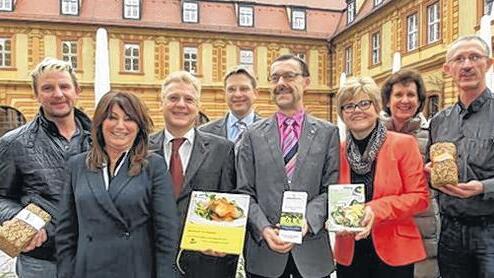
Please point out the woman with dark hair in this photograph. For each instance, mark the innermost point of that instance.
(118, 215)
(403, 96)
(395, 189)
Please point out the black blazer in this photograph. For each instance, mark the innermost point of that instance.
(211, 168)
(128, 231)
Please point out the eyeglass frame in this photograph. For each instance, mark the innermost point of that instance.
(460, 59)
(287, 76)
(350, 107)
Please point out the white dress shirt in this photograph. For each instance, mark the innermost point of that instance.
(106, 176)
(185, 150)
(231, 128)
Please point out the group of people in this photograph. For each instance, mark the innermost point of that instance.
(118, 195)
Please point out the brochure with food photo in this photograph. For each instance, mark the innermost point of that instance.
(293, 216)
(216, 221)
(346, 204)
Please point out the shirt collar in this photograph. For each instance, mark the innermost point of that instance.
(298, 117)
(189, 136)
(477, 103)
(232, 119)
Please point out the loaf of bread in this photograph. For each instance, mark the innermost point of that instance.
(444, 166)
(17, 233)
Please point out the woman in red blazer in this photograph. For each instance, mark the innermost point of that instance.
(390, 166)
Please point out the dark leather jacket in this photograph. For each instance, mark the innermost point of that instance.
(33, 169)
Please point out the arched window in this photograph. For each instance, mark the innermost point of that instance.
(10, 118)
(433, 105)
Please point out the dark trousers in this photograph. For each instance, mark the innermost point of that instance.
(291, 270)
(366, 264)
(466, 248)
(29, 267)
(198, 265)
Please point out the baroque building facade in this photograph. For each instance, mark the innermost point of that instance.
(371, 32)
(148, 39)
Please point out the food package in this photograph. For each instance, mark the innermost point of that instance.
(18, 232)
(444, 168)
(346, 205)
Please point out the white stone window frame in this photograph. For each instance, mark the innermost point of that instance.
(134, 60)
(190, 59)
(6, 5)
(190, 12)
(132, 9)
(246, 58)
(433, 23)
(5, 53)
(246, 16)
(412, 32)
(376, 48)
(348, 60)
(69, 7)
(299, 19)
(70, 55)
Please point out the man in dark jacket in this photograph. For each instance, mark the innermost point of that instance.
(197, 161)
(240, 94)
(33, 164)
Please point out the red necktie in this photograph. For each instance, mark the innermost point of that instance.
(176, 170)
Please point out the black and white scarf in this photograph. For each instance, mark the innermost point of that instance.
(362, 163)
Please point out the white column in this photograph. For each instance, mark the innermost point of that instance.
(102, 66)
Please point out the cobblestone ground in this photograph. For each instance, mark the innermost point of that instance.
(6, 266)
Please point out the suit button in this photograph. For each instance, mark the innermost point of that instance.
(126, 235)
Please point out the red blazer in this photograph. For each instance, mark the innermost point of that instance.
(400, 191)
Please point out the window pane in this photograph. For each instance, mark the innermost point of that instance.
(65, 48)
(7, 60)
(136, 65)
(7, 45)
(298, 20)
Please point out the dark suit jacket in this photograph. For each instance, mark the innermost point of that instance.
(218, 127)
(128, 231)
(211, 168)
(261, 174)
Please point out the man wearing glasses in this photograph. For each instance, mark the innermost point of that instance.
(466, 245)
(290, 151)
(197, 161)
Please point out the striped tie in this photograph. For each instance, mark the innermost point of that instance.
(241, 126)
(289, 147)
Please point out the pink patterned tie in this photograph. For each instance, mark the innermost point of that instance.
(289, 147)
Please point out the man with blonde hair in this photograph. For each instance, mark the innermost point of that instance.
(34, 156)
(196, 161)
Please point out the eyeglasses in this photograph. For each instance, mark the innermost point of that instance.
(287, 76)
(460, 60)
(175, 98)
(362, 105)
